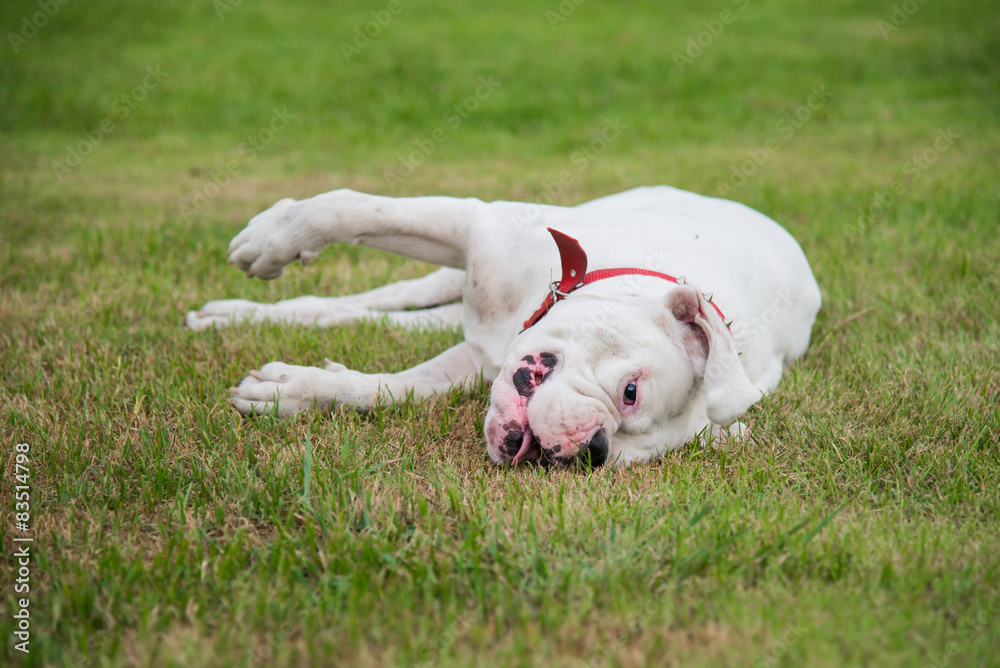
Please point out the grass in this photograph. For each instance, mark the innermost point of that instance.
(860, 527)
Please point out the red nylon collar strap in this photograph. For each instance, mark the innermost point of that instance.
(574, 275)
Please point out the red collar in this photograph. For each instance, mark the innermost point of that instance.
(574, 275)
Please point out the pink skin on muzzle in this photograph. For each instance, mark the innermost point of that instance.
(507, 428)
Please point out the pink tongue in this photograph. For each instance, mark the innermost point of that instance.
(527, 451)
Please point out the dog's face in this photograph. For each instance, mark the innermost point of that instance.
(614, 381)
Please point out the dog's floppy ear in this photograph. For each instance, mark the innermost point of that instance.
(711, 347)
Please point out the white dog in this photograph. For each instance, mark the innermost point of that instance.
(619, 364)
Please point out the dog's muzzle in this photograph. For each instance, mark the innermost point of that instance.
(521, 445)
(510, 432)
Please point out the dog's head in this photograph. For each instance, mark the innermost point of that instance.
(616, 380)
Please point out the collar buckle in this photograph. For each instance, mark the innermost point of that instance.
(555, 293)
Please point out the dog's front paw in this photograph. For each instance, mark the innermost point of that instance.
(277, 389)
(274, 239)
(225, 312)
(283, 389)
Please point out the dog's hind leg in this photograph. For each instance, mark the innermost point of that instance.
(390, 301)
(284, 389)
(432, 229)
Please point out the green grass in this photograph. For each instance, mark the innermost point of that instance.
(859, 527)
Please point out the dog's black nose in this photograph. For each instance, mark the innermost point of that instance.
(596, 451)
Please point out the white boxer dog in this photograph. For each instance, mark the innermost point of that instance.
(617, 364)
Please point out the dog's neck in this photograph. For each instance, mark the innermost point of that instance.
(574, 276)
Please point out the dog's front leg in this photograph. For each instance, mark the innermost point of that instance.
(432, 229)
(437, 288)
(284, 389)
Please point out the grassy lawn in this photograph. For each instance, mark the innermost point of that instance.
(860, 527)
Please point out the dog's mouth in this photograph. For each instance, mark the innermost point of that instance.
(520, 445)
(523, 447)
(528, 447)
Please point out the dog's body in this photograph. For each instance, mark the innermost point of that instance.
(622, 369)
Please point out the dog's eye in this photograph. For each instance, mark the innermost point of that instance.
(629, 396)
